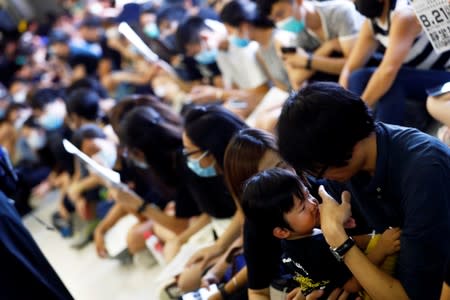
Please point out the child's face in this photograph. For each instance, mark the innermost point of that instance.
(304, 216)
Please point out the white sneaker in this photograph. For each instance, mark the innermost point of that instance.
(144, 259)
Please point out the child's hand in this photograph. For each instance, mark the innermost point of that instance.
(389, 242)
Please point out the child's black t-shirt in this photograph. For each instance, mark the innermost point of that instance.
(313, 265)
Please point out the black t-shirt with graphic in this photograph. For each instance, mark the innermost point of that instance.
(313, 265)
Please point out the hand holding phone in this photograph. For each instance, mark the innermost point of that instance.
(288, 50)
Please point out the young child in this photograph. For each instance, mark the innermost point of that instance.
(278, 201)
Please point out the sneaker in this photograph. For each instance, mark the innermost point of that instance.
(125, 258)
(145, 259)
(85, 235)
(64, 226)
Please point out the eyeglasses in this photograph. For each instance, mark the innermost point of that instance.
(186, 153)
(319, 175)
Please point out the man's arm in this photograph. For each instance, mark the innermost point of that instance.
(378, 284)
(295, 64)
(404, 31)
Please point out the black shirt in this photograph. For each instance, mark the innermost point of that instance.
(313, 265)
(262, 253)
(410, 189)
(63, 160)
(190, 70)
(210, 194)
(26, 273)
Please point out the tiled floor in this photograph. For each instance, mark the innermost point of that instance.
(86, 275)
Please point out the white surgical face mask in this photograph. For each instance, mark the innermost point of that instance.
(20, 96)
(160, 91)
(36, 140)
(107, 155)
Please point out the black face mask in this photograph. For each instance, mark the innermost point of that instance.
(370, 8)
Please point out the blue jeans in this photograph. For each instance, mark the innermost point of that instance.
(410, 84)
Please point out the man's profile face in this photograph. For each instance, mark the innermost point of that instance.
(209, 40)
(345, 173)
(193, 49)
(281, 10)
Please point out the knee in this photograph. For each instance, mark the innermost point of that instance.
(358, 79)
(189, 279)
(135, 241)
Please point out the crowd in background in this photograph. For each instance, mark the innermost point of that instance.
(224, 125)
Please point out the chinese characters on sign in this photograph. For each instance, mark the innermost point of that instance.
(434, 16)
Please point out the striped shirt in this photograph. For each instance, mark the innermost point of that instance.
(421, 55)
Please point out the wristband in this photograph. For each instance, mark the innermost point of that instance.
(142, 207)
(222, 291)
(234, 283)
(309, 61)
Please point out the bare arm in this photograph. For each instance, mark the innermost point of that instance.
(193, 228)
(114, 214)
(378, 284)
(404, 30)
(295, 64)
(262, 294)
(365, 46)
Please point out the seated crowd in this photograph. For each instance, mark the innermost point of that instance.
(279, 149)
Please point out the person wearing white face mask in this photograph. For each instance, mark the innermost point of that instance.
(35, 162)
(85, 188)
(243, 78)
(321, 29)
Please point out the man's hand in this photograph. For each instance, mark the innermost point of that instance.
(337, 294)
(333, 216)
(296, 60)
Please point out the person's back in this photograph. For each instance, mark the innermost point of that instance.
(26, 272)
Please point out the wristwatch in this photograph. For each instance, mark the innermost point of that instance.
(340, 251)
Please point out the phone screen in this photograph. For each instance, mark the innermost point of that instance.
(287, 50)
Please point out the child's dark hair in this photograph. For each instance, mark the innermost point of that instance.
(269, 195)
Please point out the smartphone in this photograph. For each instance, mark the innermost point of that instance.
(288, 50)
(439, 90)
(173, 291)
(238, 104)
(201, 294)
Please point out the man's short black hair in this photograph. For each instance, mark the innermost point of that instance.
(58, 36)
(84, 103)
(211, 127)
(188, 32)
(236, 12)
(265, 6)
(41, 97)
(320, 125)
(89, 83)
(86, 132)
(171, 13)
(269, 195)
